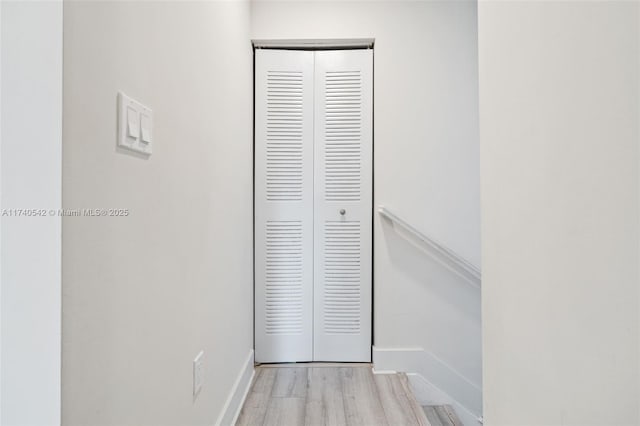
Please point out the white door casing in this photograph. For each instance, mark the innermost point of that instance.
(313, 205)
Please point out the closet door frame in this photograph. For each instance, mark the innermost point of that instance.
(314, 45)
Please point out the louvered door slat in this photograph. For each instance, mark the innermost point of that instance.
(284, 206)
(343, 181)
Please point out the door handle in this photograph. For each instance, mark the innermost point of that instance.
(342, 211)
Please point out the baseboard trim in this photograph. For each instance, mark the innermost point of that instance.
(383, 372)
(442, 384)
(231, 410)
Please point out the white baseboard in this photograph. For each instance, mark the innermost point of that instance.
(238, 394)
(433, 381)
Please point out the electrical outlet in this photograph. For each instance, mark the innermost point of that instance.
(198, 373)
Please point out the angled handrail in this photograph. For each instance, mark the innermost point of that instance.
(449, 257)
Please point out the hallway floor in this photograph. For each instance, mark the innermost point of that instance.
(326, 394)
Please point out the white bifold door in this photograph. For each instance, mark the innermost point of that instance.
(313, 205)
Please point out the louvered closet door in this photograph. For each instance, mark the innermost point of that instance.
(343, 205)
(284, 206)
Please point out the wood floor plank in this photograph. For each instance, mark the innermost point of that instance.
(432, 416)
(398, 403)
(324, 405)
(340, 396)
(290, 383)
(411, 398)
(361, 401)
(447, 414)
(285, 412)
(257, 401)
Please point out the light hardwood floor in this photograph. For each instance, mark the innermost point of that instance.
(441, 415)
(296, 395)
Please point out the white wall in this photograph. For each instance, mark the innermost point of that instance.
(144, 294)
(426, 166)
(30, 152)
(559, 146)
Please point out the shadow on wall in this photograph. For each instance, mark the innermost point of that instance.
(428, 323)
(410, 257)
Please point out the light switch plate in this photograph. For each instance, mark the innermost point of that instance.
(135, 124)
(198, 373)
